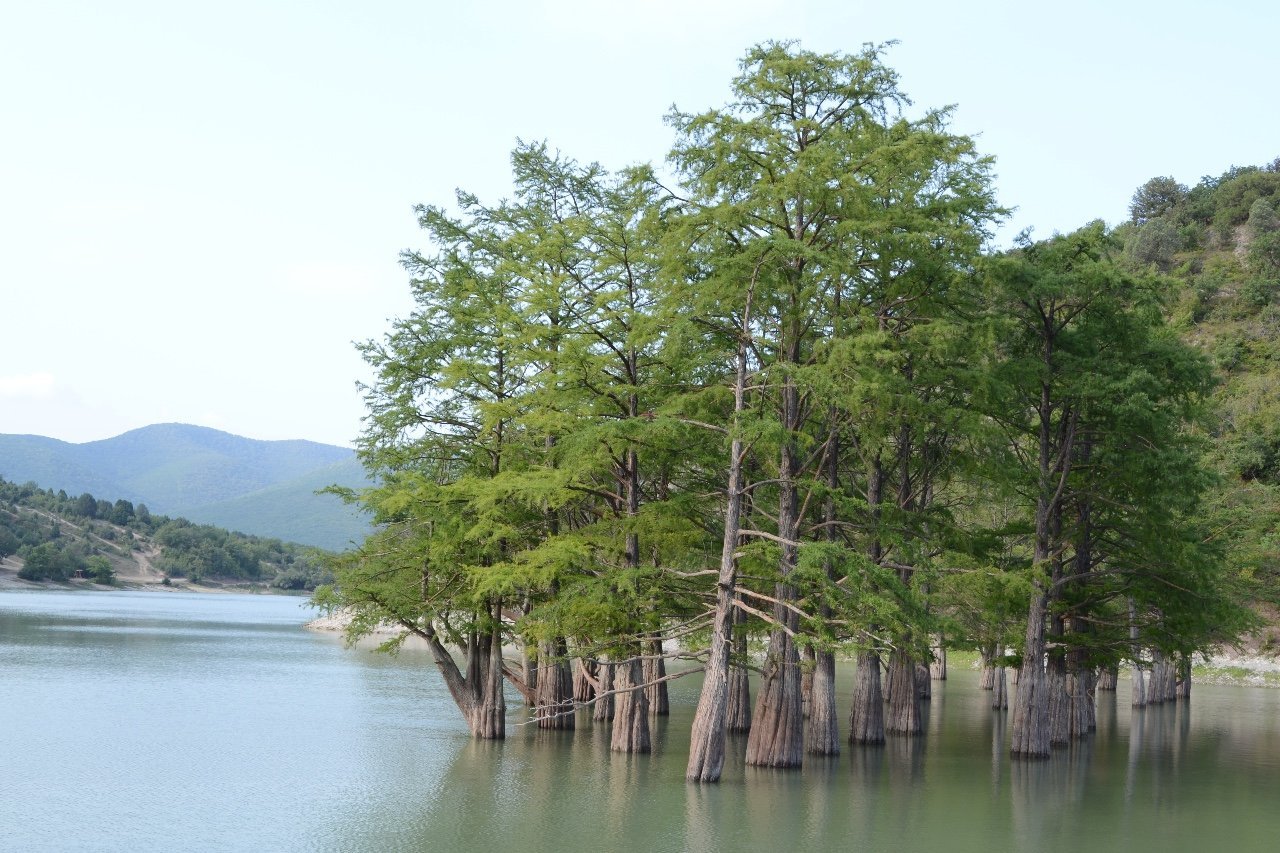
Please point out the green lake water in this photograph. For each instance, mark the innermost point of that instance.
(134, 721)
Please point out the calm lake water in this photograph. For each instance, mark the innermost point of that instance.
(168, 721)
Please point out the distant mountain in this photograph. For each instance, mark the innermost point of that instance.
(261, 487)
(292, 511)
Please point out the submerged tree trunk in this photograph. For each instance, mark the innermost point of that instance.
(866, 718)
(478, 694)
(738, 713)
(585, 671)
(938, 668)
(986, 656)
(1109, 678)
(528, 664)
(602, 711)
(1138, 695)
(707, 736)
(924, 684)
(905, 716)
(655, 673)
(822, 726)
(1056, 678)
(1030, 724)
(1163, 686)
(777, 727)
(1059, 702)
(822, 735)
(1184, 677)
(631, 708)
(999, 686)
(1081, 718)
(777, 736)
(808, 659)
(1081, 688)
(554, 706)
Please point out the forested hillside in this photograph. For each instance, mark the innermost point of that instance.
(1218, 243)
(793, 397)
(266, 488)
(56, 537)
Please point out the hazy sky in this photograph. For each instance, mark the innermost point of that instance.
(202, 204)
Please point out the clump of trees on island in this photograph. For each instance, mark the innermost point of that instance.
(782, 394)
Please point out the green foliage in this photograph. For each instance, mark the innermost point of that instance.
(48, 562)
(1154, 243)
(210, 476)
(99, 568)
(1264, 239)
(64, 540)
(924, 436)
(1155, 198)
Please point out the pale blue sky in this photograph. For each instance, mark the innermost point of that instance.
(202, 204)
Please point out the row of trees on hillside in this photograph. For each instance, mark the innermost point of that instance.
(779, 392)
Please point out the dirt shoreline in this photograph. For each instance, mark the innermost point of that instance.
(9, 580)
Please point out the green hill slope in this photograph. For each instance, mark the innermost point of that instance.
(1219, 242)
(260, 487)
(49, 536)
(293, 511)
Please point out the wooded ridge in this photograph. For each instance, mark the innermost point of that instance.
(52, 536)
(267, 488)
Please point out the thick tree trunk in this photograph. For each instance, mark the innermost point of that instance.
(866, 718)
(904, 716)
(584, 672)
(1109, 678)
(655, 673)
(777, 736)
(707, 736)
(478, 694)
(1081, 718)
(631, 708)
(487, 717)
(1081, 689)
(738, 713)
(603, 709)
(1138, 694)
(528, 670)
(999, 686)
(924, 684)
(1163, 686)
(938, 668)
(986, 656)
(1184, 677)
(822, 726)
(822, 735)
(777, 726)
(1168, 691)
(1030, 736)
(808, 659)
(1059, 701)
(1030, 724)
(528, 663)
(554, 706)
(1170, 680)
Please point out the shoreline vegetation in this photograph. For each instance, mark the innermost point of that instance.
(1239, 667)
(1243, 666)
(1246, 666)
(9, 581)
